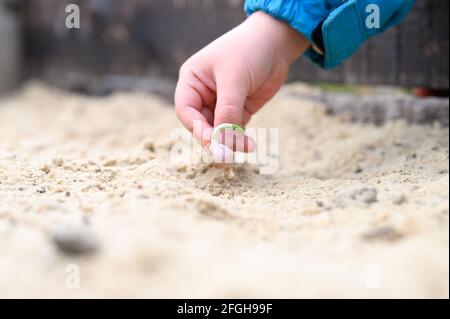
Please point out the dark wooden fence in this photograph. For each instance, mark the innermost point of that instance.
(153, 37)
(10, 48)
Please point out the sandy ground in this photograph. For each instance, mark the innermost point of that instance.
(90, 205)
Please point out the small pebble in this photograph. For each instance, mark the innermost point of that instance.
(149, 145)
(399, 199)
(75, 241)
(45, 168)
(41, 190)
(386, 233)
(358, 194)
(58, 162)
(110, 162)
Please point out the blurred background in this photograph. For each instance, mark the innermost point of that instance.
(124, 45)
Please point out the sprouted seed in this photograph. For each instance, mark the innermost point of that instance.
(223, 127)
(221, 153)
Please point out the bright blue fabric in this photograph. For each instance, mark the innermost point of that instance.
(344, 29)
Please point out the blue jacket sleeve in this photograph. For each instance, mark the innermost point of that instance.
(341, 26)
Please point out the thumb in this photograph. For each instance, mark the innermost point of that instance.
(230, 103)
(231, 98)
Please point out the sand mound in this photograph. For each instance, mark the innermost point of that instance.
(90, 205)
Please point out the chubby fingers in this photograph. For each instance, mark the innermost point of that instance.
(193, 101)
(191, 96)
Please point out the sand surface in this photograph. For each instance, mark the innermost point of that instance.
(91, 206)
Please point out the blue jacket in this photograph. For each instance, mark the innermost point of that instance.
(337, 27)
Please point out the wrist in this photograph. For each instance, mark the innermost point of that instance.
(288, 44)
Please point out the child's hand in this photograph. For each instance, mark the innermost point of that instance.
(234, 76)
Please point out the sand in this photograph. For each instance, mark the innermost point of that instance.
(91, 206)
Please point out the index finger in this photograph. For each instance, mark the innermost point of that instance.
(188, 105)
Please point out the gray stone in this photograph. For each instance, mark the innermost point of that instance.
(356, 195)
(399, 199)
(75, 240)
(386, 233)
